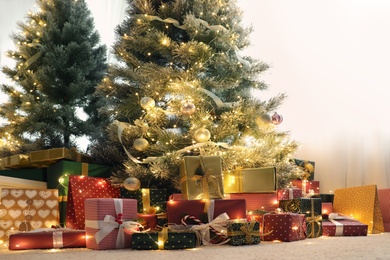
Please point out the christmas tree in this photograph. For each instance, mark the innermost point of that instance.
(58, 63)
(181, 88)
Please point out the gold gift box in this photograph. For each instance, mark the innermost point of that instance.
(201, 177)
(362, 204)
(250, 180)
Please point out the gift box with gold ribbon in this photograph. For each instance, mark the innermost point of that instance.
(243, 232)
(250, 180)
(362, 204)
(201, 177)
(311, 207)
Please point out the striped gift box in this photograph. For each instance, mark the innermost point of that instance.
(105, 220)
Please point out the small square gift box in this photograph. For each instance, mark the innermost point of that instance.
(284, 227)
(201, 177)
(165, 239)
(339, 225)
(47, 238)
(242, 232)
(289, 193)
(250, 180)
(109, 222)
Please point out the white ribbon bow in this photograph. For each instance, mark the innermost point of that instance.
(218, 224)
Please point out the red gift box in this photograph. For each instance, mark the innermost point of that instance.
(105, 221)
(343, 227)
(289, 193)
(51, 238)
(285, 227)
(81, 188)
(257, 201)
(177, 209)
(306, 186)
(384, 204)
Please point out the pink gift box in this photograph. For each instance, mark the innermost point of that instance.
(384, 204)
(284, 227)
(343, 227)
(306, 186)
(101, 212)
(289, 193)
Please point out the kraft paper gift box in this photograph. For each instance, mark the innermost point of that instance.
(284, 227)
(361, 203)
(178, 209)
(384, 203)
(243, 232)
(338, 225)
(109, 222)
(80, 189)
(312, 208)
(250, 180)
(170, 240)
(308, 167)
(289, 193)
(201, 177)
(26, 210)
(257, 201)
(58, 178)
(307, 187)
(47, 239)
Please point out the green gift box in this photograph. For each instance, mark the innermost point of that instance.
(201, 177)
(58, 178)
(312, 208)
(250, 180)
(324, 197)
(157, 240)
(243, 233)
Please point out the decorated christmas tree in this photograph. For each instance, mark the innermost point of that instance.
(182, 88)
(58, 63)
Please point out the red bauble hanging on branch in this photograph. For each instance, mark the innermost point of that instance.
(276, 119)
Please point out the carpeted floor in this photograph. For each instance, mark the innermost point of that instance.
(370, 247)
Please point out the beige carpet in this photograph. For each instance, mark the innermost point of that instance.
(370, 247)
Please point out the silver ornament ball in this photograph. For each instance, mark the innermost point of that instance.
(132, 184)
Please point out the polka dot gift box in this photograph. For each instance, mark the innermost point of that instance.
(82, 188)
(284, 227)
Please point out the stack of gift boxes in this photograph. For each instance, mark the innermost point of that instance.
(80, 208)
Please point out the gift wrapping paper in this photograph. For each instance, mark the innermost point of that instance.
(250, 180)
(384, 204)
(177, 209)
(26, 210)
(343, 227)
(149, 200)
(106, 220)
(169, 240)
(362, 204)
(324, 197)
(243, 232)
(47, 239)
(201, 177)
(307, 186)
(285, 227)
(308, 167)
(289, 193)
(311, 207)
(80, 189)
(257, 201)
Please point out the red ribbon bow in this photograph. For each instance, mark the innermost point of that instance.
(118, 219)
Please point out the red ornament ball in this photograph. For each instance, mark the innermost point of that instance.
(276, 119)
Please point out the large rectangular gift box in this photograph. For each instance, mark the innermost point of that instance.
(201, 177)
(257, 201)
(47, 239)
(80, 189)
(311, 207)
(26, 210)
(169, 240)
(362, 204)
(106, 220)
(384, 203)
(250, 180)
(285, 227)
(204, 211)
(343, 227)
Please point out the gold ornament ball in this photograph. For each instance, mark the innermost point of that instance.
(147, 102)
(202, 135)
(187, 109)
(140, 144)
(132, 184)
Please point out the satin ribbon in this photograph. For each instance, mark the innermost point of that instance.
(162, 237)
(219, 224)
(314, 221)
(339, 226)
(109, 223)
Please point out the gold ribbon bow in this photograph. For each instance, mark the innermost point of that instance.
(162, 237)
(293, 206)
(313, 221)
(248, 230)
